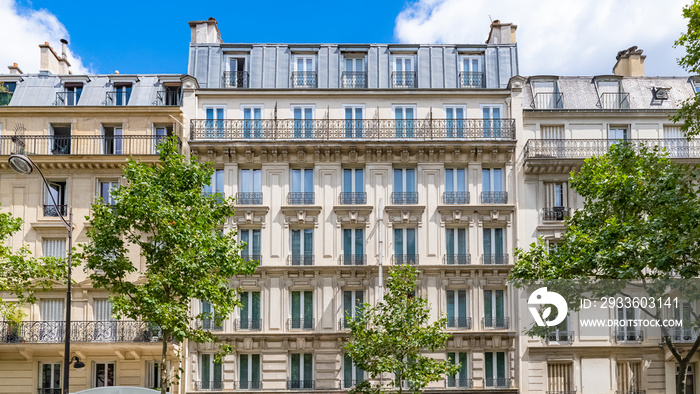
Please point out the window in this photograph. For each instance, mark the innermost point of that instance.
(153, 374)
(251, 237)
(546, 94)
(611, 95)
(105, 325)
(236, 75)
(694, 82)
(50, 378)
(471, 73)
(404, 119)
(302, 310)
(686, 333)
(352, 374)
(561, 333)
(461, 378)
(628, 333)
(492, 186)
(209, 317)
(629, 377)
(55, 193)
(70, 95)
(105, 189)
(249, 187)
(675, 141)
(617, 134)
(560, 378)
(457, 315)
(160, 133)
(405, 246)
(302, 187)
(216, 184)
(303, 121)
(103, 374)
(456, 246)
(52, 312)
(250, 311)
(354, 75)
(353, 187)
(454, 121)
(304, 75)
(456, 186)
(689, 378)
(54, 247)
(210, 373)
(6, 97)
(495, 309)
(494, 246)
(120, 95)
(556, 201)
(493, 125)
(252, 121)
(303, 247)
(301, 374)
(404, 75)
(354, 116)
(170, 96)
(215, 119)
(495, 370)
(353, 300)
(404, 186)
(60, 139)
(113, 140)
(353, 246)
(249, 372)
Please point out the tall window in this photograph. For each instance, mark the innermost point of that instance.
(61, 139)
(560, 378)
(105, 324)
(352, 374)
(103, 374)
(675, 141)
(454, 121)
(461, 378)
(105, 190)
(689, 378)
(301, 374)
(303, 121)
(560, 333)
(495, 309)
(53, 321)
(302, 310)
(353, 120)
(354, 75)
(546, 94)
(353, 246)
(120, 95)
(302, 187)
(250, 187)
(686, 333)
(250, 311)
(471, 72)
(252, 121)
(71, 94)
(495, 369)
(404, 72)
(456, 246)
(353, 187)
(236, 75)
(153, 374)
(249, 372)
(493, 124)
(113, 139)
(457, 315)
(210, 373)
(304, 75)
(50, 378)
(405, 246)
(612, 95)
(556, 201)
(251, 237)
(54, 247)
(209, 317)
(629, 377)
(353, 301)
(628, 332)
(404, 186)
(456, 186)
(160, 133)
(494, 246)
(492, 186)
(302, 247)
(404, 119)
(215, 117)
(216, 184)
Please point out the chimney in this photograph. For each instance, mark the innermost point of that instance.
(501, 33)
(50, 62)
(14, 69)
(630, 63)
(205, 32)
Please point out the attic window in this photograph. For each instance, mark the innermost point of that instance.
(660, 93)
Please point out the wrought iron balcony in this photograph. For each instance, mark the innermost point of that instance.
(402, 259)
(304, 79)
(235, 79)
(494, 197)
(66, 99)
(353, 259)
(684, 335)
(249, 198)
(556, 213)
(459, 322)
(548, 100)
(496, 258)
(353, 198)
(301, 259)
(342, 129)
(117, 97)
(210, 324)
(300, 323)
(300, 198)
(50, 391)
(354, 80)
(208, 385)
(5, 98)
(461, 383)
(51, 211)
(677, 148)
(404, 198)
(498, 323)
(300, 384)
(560, 336)
(252, 257)
(458, 259)
(628, 335)
(403, 79)
(350, 383)
(474, 80)
(248, 324)
(81, 145)
(614, 101)
(81, 331)
(454, 198)
(168, 97)
(497, 382)
(248, 385)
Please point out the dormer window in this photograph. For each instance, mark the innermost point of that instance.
(70, 94)
(611, 95)
(236, 74)
(546, 94)
(304, 74)
(471, 73)
(170, 95)
(355, 74)
(404, 71)
(695, 83)
(6, 91)
(120, 95)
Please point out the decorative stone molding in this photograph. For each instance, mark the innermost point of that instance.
(495, 216)
(355, 214)
(405, 214)
(301, 215)
(456, 215)
(249, 215)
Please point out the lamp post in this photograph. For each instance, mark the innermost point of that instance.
(24, 165)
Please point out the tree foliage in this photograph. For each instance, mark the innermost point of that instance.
(389, 337)
(689, 113)
(638, 229)
(162, 213)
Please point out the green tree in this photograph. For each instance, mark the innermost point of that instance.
(162, 212)
(689, 113)
(389, 337)
(638, 230)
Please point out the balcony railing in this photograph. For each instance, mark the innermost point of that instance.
(252, 257)
(556, 213)
(548, 100)
(5, 98)
(249, 198)
(81, 331)
(301, 259)
(459, 322)
(66, 99)
(615, 100)
(497, 382)
(404, 198)
(560, 336)
(354, 80)
(300, 198)
(452, 198)
(403, 259)
(684, 335)
(50, 391)
(458, 259)
(81, 145)
(353, 198)
(248, 385)
(344, 322)
(353, 259)
(210, 324)
(495, 258)
(248, 324)
(461, 383)
(235, 79)
(499, 323)
(628, 335)
(51, 211)
(403, 79)
(301, 323)
(304, 79)
(350, 383)
(341, 129)
(208, 385)
(117, 97)
(474, 80)
(494, 197)
(677, 148)
(300, 385)
(168, 97)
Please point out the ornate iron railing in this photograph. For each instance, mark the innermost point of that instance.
(614, 100)
(560, 336)
(248, 324)
(556, 213)
(300, 384)
(301, 323)
(248, 385)
(494, 197)
(353, 259)
(235, 79)
(5, 98)
(548, 100)
(341, 129)
(252, 257)
(301, 259)
(490, 259)
(350, 383)
(461, 383)
(81, 331)
(354, 79)
(249, 198)
(300, 198)
(403, 79)
(402, 259)
(472, 80)
(500, 323)
(451, 198)
(497, 382)
(208, 385)
(303, 79)
(210, 324)
(66, 99)
(684, 335)
(82, 144)
(458, 259)
(52, 211)
(628, 335)
(168, 97)
(404, 198)
(117, 97)
(677, 148)
(353, 198)
(459, 322)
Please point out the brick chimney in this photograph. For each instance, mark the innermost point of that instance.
(630, 63)
(14, 69)
(501, 33)
(51, 62)
(205, 32)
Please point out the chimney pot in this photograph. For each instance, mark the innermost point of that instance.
(14, 64)
(46, 43)
(116, 71)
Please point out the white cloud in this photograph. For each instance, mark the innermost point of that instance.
(23, 30)
(554, 36)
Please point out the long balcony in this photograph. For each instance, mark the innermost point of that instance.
(677, 148)
(341, 129)
(472, 80)
(81, 331)
(235, 79)
(81, 145)
(354, 80)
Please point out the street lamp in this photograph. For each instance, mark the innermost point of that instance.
(24, 165)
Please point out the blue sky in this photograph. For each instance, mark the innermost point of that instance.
(559, 37)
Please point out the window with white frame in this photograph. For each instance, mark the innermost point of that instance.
(353, 246)
(302, 246)
(215, 116)
(103, 374)
(493, 124)
(113, 139)
(492, 186)
(461, 378)
(629, 332)
(105, 325)
(352, 374)
(456, 191)
(160, 134)
(611, 94)
(236, 74)
(495, 309)
(251, 238)
(556, 201)
(495, 370)
(353, 187)
(302, 187)
(404, 121)
(302, 306)
(494, 242)
(105, 189)
(209, 317)
(252, 121)
(404, 71)
(689, 378)
(54, 247)
(55, 193)
(353, 300)
(50, 375)
(52, 314)
(404, 186)
(249, 372)
(301, 371)
(455, 125)
(303, 121)
(354, 75)
(250, 311)
(456, 246)
(471, 72)
(304, 75)
(210, 373)
(457, 308)
(153, 374)
(354, 120)
(216, 184)
(546, 94)
(405, 246)
(249, 187)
